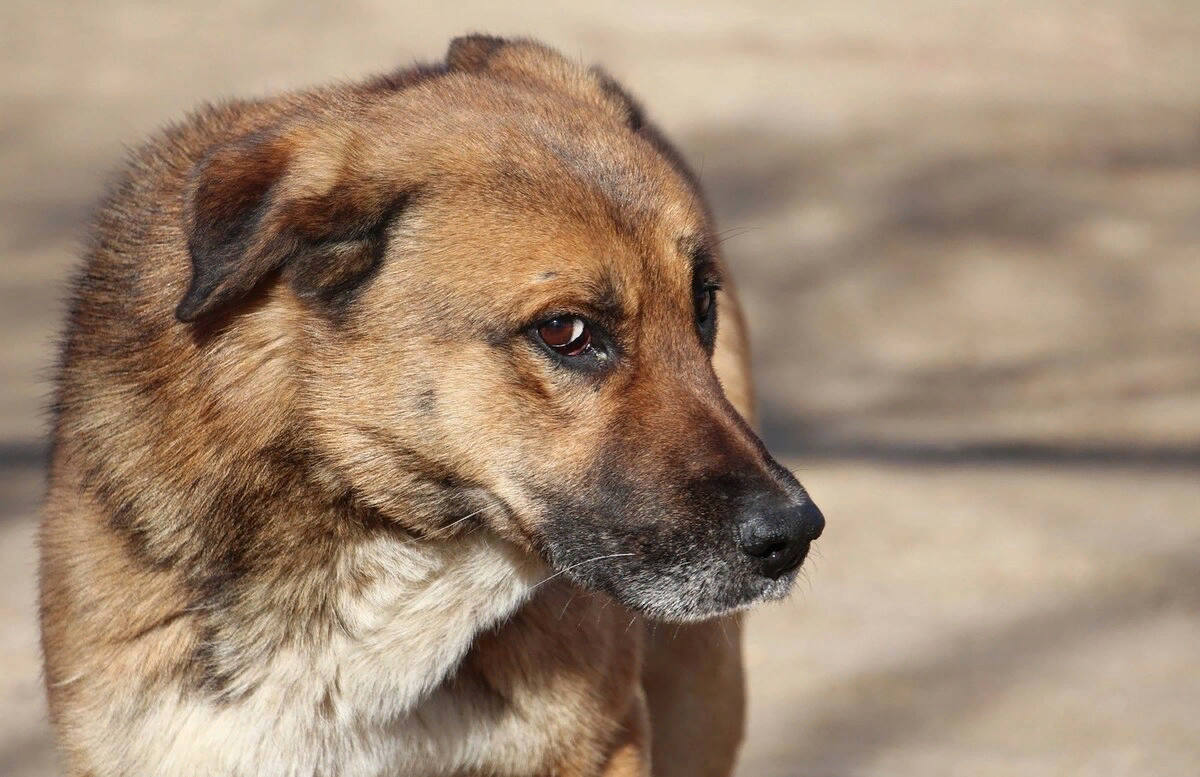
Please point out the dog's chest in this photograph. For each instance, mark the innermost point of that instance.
(409, 612)
(370, 700)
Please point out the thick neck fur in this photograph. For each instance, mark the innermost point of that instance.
(305, 633)
(277, 557)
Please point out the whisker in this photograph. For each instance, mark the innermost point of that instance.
(466, 517)
(728, 641)
(807, 583)
(578, 564)
(732, 233)
(68, 680)
(445, 528)
(570, 599)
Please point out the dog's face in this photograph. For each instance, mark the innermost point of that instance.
(507, 302)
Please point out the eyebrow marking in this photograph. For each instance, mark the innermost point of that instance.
(606, 298)
(598, 297)
(699, 251)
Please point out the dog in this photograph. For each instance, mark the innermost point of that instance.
(394, 434)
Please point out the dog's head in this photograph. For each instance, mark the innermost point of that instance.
(506, 296)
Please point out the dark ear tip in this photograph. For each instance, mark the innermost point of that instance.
(471, 52)
(195, 304)
(187, 312)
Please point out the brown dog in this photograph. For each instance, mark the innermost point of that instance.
(388, 422)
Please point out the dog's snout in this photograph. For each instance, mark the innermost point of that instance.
(777, 538)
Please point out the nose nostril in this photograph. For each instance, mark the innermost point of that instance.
(766, 547)
(774, 554)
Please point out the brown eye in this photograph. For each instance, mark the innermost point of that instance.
(705, 298)
(567, 335)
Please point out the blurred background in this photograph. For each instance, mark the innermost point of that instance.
(968, 238)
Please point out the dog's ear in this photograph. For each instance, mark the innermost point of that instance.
(523, 59)
(472, 52)
(287, 201)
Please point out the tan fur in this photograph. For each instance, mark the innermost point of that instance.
(319, 502)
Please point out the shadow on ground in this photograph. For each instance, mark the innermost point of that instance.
(972, 292)
(845, 727)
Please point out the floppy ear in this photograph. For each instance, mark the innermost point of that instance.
(287, 201)
(526, 59)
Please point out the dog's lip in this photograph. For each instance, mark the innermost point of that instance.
(741, 584)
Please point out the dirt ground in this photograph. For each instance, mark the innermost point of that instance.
(968, 235)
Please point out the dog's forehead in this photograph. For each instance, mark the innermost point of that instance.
(626, 187)
(563, 148)
(631, 182)
(566, 193)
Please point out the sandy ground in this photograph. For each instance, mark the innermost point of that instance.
(969, 239)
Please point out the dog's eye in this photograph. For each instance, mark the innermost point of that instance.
(566, 335)
(705, 299)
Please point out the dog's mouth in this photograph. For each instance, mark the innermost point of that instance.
(689, 575)
(688, 591)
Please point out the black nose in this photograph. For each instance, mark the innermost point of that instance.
(777, 538)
